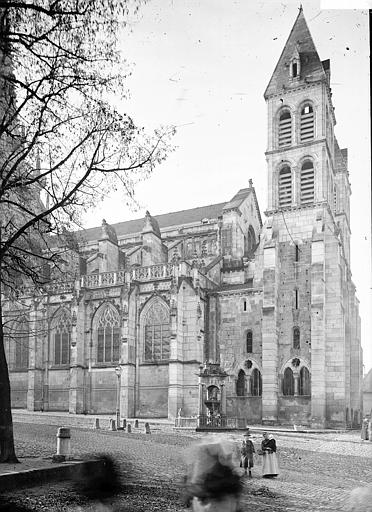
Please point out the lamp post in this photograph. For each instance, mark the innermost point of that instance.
(118, 374)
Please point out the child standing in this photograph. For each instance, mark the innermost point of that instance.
(246, 454)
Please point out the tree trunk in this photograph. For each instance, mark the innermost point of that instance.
(7, 450)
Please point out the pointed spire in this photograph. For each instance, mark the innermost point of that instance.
(299, 45)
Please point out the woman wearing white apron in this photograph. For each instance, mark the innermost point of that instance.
(270, 467)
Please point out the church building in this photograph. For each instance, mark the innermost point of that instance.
(216, 312)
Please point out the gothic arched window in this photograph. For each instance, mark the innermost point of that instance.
(304, 384)
(296, 337)
(256, 383)
(157, 333)
(249, 342)
(61, 329)
(285, 129)
(240, 383)
(307, 123)
(108, 336)
(285, 186)
(21, 341)
(288, 382)
(250, 242)
(307, 182)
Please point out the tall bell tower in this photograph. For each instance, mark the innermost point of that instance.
(309, 305)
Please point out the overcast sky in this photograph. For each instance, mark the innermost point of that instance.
(203, 65)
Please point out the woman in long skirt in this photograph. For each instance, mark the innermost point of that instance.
(270, 467)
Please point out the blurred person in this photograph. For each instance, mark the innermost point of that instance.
(246, 454)
(364, 430)
(212, 484)
(270, 467)
(360, 500)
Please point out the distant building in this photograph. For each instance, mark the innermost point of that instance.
(367, 393)
(209, 310)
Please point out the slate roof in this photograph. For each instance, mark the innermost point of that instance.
(166, 220)
(311, 66)
(237, 200)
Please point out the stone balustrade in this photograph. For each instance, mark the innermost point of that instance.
(162, 271)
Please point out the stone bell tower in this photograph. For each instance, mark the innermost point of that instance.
(309, 299)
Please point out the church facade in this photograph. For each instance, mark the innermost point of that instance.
(212, 312)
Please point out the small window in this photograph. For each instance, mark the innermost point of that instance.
(285, 129)
(285, 186)
(288, 382)
(294, 69)
(249, 341)
(296, 298)
(256, 383)
(307, 123)
(244, 305)
(296, 338)
(304, 382)
(240, 383)
(297, 253)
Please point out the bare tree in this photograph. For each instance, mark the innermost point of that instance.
(63, 142)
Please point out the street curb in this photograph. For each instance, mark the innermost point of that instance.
(40, 476)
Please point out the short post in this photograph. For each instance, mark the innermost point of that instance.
(96, 424)
(129, 428)
(63, 444)
(112, 424)
(124, 424)
(370, 430)
(147, 428)
(136, 424)
(118, 374)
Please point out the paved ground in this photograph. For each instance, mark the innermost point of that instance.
(317, 472)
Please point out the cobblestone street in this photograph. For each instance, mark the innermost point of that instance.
(317, 471)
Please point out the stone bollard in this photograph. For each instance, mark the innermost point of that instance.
(96, 424)
(147, 428)
(112, 424)
(129, 428)
(124, 424)
(136, 424)
(63, 444)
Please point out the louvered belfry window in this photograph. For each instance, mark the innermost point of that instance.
(307, 182)
(285, 186)
(285, 129)
(307, 123)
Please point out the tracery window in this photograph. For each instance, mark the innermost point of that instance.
(250, 242)
(61, 329)
(307, 182)
(296, 338)
(157, 333)
(304, 384)
(240, 383)
(285, 186)
(288, 382)
(21, 341)
(285, 129)
(256, 383)
(307, 123)
(249, 341)
(108, 336)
